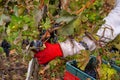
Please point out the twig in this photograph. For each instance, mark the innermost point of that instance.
(87, 5)
(41, 4)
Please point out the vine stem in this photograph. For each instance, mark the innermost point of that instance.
(41, 4)
(87, 5)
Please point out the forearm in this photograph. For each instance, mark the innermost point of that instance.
(109, 30)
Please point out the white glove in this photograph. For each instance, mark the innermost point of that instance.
(71, 47)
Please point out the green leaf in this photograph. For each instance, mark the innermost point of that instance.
(27, 19)
(0, 1)
(16, 10)
(46, 24)
(1, 49)
(65, 19)
(67, 29)
(84, 18)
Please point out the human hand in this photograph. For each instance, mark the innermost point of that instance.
(49, 53)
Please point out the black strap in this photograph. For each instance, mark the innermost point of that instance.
(84, 45)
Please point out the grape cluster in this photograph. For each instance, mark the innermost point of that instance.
(108, 73)
(90, 67)
(91, 73)
(36, 44)
(113, 55)
(6, 47)
(6, 25)
(56, 25)
(112, 62)
(53, 34)
(113, 49)
(42, 32)
(52, 2)
(25, 42)
(54, 37)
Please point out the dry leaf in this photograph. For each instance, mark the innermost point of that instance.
(12, 51)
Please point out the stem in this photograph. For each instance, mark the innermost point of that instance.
(41, 4)
(87, 5)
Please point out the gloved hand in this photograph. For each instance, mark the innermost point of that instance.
(49, 53)
(63, 49)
